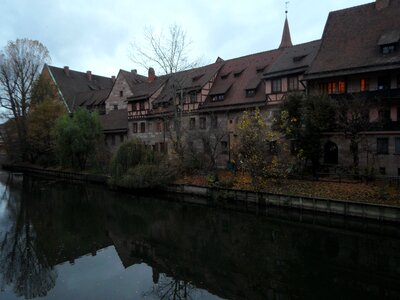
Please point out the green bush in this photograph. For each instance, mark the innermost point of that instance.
(137, 166)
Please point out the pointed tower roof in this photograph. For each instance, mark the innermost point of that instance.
(286, 40)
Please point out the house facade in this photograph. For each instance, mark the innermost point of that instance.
(359, 58)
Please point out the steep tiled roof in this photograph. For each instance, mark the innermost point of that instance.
(91, 98)
(295, 59)
(115, 121)
(144, 90)
(240, 74)
(76, 83)
(132, 78)
(189, 80)
(350, 42)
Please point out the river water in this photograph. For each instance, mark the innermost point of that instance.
(63, 240)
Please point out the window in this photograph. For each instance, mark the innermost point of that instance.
(387, 49)
(382, 145)
(149, 127)
(167, 126)
(398, 113)
(159, 127)
(276, 85)
(121, 138)
(220, 97)
(141, 105)
(224, 147)
(214, 122)
(397, 145)
(364, 84)
(121, 93)
(293, 83)
(382, 170)
(142, 127)
(115, 107)
(202, 122)
(250, 93)
(192, 123)
(334, 87)
(384, 83)
(384, 115)
(113, 140)
(193, 97)
(398, 171)
(134, 127)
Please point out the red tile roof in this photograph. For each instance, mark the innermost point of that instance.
(350, 42)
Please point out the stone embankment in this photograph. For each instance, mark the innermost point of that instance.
(215, 195)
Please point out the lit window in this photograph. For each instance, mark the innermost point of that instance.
(276, 85)
(382, 145)
(342, 86)
(364, 84)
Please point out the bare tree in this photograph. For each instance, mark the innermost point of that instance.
(168, 52)
(21, 62)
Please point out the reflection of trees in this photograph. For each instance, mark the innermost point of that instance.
(170, 288)
(22, 265)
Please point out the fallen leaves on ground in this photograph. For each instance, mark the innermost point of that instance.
(375, 192)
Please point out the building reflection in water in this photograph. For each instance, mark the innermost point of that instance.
(230, 254)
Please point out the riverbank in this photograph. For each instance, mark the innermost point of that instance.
(221, 196)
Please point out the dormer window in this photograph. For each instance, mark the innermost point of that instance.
(238, 73)
(389, 41)
(219, 97)
(250, 93)
(388, 49)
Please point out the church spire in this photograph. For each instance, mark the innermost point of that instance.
(286, 39)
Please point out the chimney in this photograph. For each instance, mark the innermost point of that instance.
(151, 75)
(89, 75)
(113, 78)
(381, 4)
(66, 70)
(134, 71)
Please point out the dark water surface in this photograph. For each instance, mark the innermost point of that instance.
(73, 241)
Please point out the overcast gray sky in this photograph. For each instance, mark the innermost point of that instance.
(96, 34)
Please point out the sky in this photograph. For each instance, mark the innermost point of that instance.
(97, 35)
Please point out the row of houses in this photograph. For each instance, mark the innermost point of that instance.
(357, 56)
